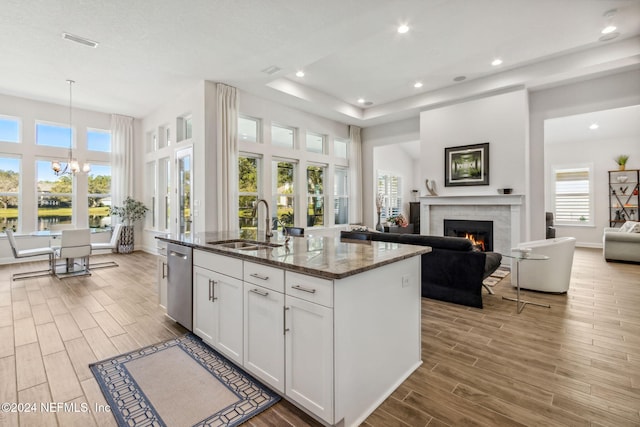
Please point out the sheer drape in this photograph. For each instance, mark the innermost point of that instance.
(121, 158)
(227, 120)
(355, 171)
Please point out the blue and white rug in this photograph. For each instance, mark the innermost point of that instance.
(180, 382)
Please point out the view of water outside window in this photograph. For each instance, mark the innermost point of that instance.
(9, 192)
(99, 184)
(55, 196)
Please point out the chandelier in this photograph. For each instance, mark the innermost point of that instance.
(72, 166)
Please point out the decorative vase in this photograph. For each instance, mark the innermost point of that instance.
(125, 245)
(621, 167)
(379, 226)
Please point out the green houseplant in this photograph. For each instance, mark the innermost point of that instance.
(130, 212)
(621, 160)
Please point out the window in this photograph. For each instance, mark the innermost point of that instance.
(389, 187)
(99, 140)
(248, 191)
(341, 196)
(282, 136)
(99, 184)
(164, 187)
(573, 201)
(340, 147)
(283, 173)
(53, 135)
(55, 196)
(248, 129)
(315, 143)
(9, 129)
(315, 195)
(188, 128)
(9, 193)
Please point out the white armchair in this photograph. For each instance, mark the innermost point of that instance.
(618, 244)
(553, 275)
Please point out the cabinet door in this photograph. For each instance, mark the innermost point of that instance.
(218, 312)
(264, 335)
(203, 309)
(309, 356)
(162, 280)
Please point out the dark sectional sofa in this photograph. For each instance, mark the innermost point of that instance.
(453, 271)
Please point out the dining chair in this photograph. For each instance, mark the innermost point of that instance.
(111, 244)
(74, 244)
(25, 253)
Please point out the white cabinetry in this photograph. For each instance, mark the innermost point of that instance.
(217, 316)
(161, 273)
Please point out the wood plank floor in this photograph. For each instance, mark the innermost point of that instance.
(576, 364)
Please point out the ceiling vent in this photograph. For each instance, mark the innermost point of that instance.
(80, 40)
(271, 70)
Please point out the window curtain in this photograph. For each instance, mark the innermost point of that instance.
(355, 170)
(121, 158)
(227, 120)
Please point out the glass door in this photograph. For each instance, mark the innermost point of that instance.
(184, 169)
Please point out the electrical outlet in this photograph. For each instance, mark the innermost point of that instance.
(406, 281)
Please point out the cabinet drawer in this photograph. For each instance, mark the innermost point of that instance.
(220, 263)
(263, 275)
(309, 288)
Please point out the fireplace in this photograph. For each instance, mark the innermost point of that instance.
(479, 232)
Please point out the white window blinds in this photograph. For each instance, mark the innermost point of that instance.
(573, 196)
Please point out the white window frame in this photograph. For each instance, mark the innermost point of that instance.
(562, 218)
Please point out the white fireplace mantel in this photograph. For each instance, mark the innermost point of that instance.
(506, 210)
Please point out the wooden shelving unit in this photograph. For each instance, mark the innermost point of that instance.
(624, 196)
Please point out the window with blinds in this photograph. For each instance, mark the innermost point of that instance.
(573, 201)
(390, 187)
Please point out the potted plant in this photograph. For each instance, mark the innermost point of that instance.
(130, 212)
(621, 160)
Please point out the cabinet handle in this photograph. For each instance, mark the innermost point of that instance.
(259, 276)
(284, 320)
(164, 270)
(212, 290)
(300, 288)
(259, 292)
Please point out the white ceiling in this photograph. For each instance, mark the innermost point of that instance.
(150, 51)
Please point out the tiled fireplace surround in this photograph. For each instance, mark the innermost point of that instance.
(506, 212)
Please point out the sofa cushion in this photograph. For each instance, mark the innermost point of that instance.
(436, 242)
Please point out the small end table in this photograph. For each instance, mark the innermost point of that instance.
(520, 255)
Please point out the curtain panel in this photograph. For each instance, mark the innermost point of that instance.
(227, 173)
(355, 172)
(121, 158)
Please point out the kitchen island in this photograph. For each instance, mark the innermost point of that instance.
(334, 327)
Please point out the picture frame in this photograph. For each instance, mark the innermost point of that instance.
(466, 165)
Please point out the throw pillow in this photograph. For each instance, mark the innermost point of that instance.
(627, 226)
(635, 228)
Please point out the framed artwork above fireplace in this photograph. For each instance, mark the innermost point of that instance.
(466, 165)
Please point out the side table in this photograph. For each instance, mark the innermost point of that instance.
(520, 255)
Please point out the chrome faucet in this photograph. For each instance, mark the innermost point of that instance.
(268, 234)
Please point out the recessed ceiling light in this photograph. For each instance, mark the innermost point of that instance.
(459, 78)
(404, 28)
(594, 126)
(609, 29)
(417, 85)
(300, 73)
(496, 62)
(361, 101)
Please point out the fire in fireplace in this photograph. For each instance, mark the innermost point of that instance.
(479, 232)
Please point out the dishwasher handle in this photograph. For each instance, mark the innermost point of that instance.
(178, 254)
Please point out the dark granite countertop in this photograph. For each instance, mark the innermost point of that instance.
(325, 257)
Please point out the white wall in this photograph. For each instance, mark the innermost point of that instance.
(602, 93)
(379, 136)
(397, 162)
(600, 154)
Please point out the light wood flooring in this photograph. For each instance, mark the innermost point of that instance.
(575, 364)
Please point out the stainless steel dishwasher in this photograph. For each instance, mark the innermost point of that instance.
(179, 284)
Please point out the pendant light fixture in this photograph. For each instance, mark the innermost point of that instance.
(72, 166)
